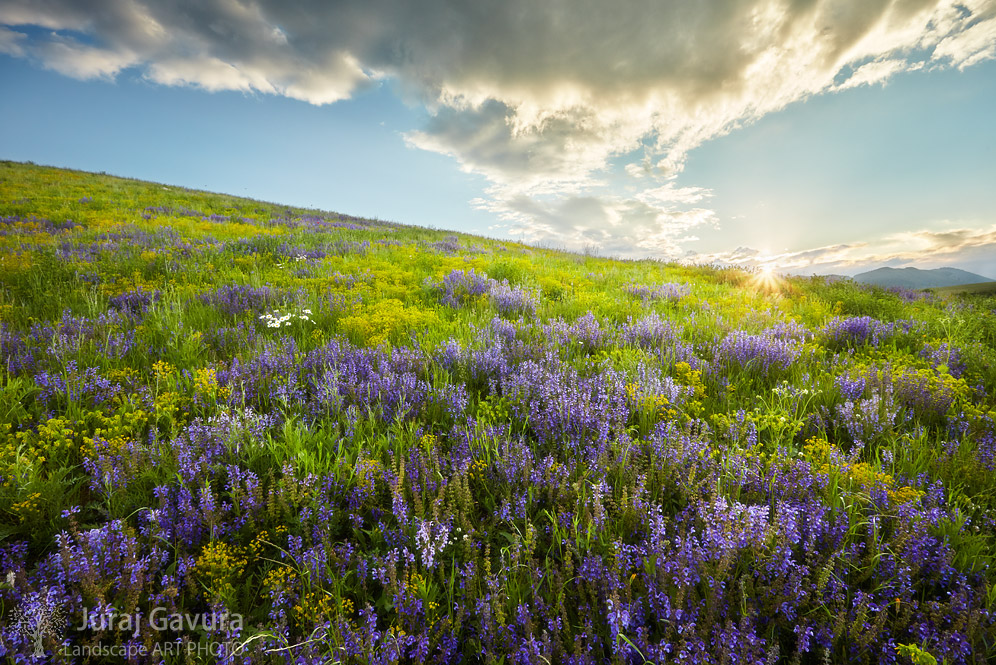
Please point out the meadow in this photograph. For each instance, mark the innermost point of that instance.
(312, 438)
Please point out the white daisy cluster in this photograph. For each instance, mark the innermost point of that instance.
(276, 319)
(297, 259)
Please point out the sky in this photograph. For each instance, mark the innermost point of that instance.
(807, 136)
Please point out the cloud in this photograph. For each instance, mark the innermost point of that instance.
(71, 58)
(554, 153)
(604, 73)
(11, 42)
(972, 247)
(873, 72)
(619, 226)
(969, 47)
(542, 98)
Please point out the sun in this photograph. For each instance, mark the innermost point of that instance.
(767, 279)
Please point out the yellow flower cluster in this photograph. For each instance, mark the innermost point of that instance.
(657, 405)
(861, 476)
(693, 379)
(385, 321)
(205, 382)
(690, 377)
(278, 580)
(218, 566)
(259, 543)
(819, 450)
(314, 606)
(162, 370)
(415, 584)
(476, 470)
(116, 430)
(27, 509)
(54, 438)
(11, 264)
(167, 403)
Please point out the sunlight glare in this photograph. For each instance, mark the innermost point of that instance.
(767, 279)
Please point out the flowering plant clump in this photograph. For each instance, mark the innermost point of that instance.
(237, 300)
(460, 288)
(855, 331)
(763, 354)
(509, 299)
(278, 318)
(453, 468)
(671, 291)
(135, 302)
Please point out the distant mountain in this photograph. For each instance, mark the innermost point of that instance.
(914, 278)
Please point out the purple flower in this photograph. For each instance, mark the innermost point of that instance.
(669, 291)
(236, 300)
(763, 354)
(511, 300)
(135, 303)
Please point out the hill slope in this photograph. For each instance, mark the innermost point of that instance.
(339, 440)
(915, 278)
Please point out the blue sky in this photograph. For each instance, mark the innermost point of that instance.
(821, 137)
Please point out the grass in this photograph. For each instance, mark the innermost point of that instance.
(984, 288)
(364, 442)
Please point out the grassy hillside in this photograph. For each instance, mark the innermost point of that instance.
(305, 437)
(982, 288)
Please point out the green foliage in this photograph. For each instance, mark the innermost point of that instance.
(85, 250)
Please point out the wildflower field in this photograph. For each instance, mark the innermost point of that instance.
(337, 440)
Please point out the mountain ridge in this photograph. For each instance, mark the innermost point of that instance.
(917, 278)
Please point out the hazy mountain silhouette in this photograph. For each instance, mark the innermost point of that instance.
(915, 278)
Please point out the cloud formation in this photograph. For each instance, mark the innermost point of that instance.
(539, 97)
(972, 247)
(617, 226)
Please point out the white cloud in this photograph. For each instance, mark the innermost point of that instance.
(539, 97)
(208, 73)
(669, 193)
(969, 47)
(80, 61)
(926, 248)
(873, 72)
(620, 226)
(11, 42)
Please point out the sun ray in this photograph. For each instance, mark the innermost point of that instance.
(767, 279)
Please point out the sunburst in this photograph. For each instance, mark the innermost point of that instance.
(767, 279)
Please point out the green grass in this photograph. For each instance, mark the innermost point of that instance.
(354, 475)
(981, 288)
